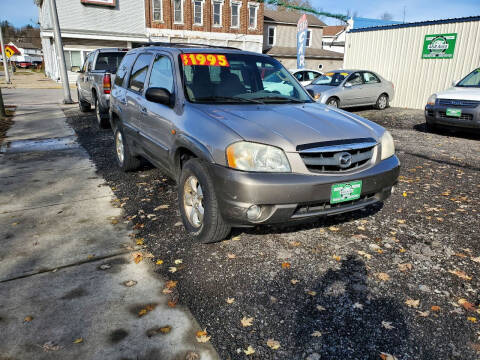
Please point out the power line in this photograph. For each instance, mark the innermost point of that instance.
(341, 17)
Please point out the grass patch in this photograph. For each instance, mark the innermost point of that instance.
(6, 122)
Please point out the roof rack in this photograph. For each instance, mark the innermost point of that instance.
(193, 45)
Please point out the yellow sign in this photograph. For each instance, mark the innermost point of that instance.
(9, 52)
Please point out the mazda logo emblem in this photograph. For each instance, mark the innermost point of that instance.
(345, 160)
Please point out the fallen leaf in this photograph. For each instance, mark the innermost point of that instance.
(114, 221)
(172, 269)
(171, 284)
(423, 313)
(139, 241)
(385, 356)
(311, 292)
(337, 258)
(467, 305)
(159, 330)
(294, 281)
(405, 267)
(28, 318)
(295, 243)
(333, 228)
(159, 262)
(165, 329)
(249, 351)
(273, 344)
(321, 308)
(435, 308)
(137, 257)
(404, 194)
(412, 303)
(361, 228)
(286, 265)
(172, 303)
(358, 306)
(402, 250)
(476, 259)
(105, 266)
(231, 256)
(382, 276)
(401, 221)
(161, 207)
(472, 319)
(316, 333)
(50, 346)
(246, 321)
(78, 341)
(364, 254)
(202, 336)
(146, 310)
(130, 283)
(230, 300)
(236, 238)
(388, 325)
(178, 261)
(167, 291)
(461, 274)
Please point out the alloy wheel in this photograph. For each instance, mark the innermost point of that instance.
(119, 147)
(193, 201)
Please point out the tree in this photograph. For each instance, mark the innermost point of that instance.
(386, 16)
(301, 3)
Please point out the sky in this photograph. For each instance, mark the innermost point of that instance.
(23, 12)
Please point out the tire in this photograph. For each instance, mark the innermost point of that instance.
(196, 193)
(83, 105)
(382, 102)
(102, 120)
(333, 102)
(125, 160)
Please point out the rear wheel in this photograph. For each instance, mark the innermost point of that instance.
(333, 102)
(198, 204)
(101, 117)
(83, 105)
(382, 102)
(125, 160)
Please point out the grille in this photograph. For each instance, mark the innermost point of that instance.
(337, 156)
(313, 208)
(462, 103)
(443, 115)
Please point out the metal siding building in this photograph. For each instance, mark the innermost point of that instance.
(395, 52)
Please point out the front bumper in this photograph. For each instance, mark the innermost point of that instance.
(289, 197)
(436, 115)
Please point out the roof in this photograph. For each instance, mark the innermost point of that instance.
(310, 53)
(333, 30)
(290, 17)
(418, 23)
(25, 45)
(359, 22)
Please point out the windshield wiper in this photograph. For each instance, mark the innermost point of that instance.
(229, 98)
(283, 98)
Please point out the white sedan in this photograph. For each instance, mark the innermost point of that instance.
(305, 76)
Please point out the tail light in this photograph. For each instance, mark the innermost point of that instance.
(107, 83)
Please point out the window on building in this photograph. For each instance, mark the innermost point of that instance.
(157, 10)
(235, 7)
(217, 13)
(162, 75)
(139, 72)
(198, 12)
(178, 11)
(252, 16)
(271, 35)
(308, 43)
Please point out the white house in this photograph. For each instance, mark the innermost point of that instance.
(29, 53)
(334, 38)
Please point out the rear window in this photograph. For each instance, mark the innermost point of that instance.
(109, 61)
(123, 69)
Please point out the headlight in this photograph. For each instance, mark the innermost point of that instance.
(388, 147)
(431, 99)
(257, 157)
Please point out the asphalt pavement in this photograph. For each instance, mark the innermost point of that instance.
(399, 279)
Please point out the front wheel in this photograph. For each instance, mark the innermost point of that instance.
(198, 204)
(382, 102)
(333, 102)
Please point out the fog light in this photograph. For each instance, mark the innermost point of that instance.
(254, 212)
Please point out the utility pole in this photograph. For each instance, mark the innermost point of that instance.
(4, 56)
(67, 98)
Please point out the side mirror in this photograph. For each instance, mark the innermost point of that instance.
(311, 92)
(159, 95)
(348, 85)
(454, 83)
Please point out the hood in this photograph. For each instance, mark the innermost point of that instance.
(321, 88)
(289, 125)
(460, 93)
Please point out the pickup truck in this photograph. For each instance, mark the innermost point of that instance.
(95, 81)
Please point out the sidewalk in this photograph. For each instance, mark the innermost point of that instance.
(65, 254)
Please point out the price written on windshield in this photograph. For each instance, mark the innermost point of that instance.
(204, 59)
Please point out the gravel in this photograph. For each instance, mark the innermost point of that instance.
(342, 290)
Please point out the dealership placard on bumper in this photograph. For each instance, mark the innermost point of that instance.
(440, 46)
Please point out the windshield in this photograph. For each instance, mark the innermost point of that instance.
(331, 79)
(238, 78)
(109, 61)
(471, 80)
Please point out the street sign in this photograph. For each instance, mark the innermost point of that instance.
(11, 50)
(302, 28)
(440, 46)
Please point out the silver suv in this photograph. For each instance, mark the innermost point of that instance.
(243, 150)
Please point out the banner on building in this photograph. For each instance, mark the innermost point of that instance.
(302, 28)
(440, 46)
(100, 2)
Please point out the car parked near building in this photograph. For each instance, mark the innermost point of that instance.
(347, 88)
(305, 76)
(458, 106)
(240, 154)
(95, 79)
